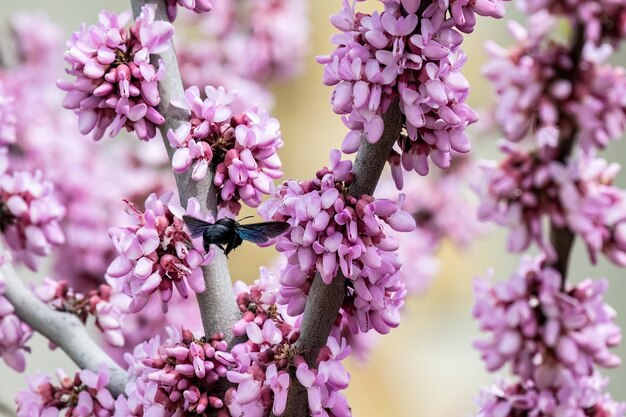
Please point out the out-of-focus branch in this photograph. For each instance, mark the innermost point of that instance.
(64, 329)
(324, 301)
(562, 238)
(218, 306)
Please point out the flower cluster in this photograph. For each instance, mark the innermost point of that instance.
(115, 84)
(409, 53)
(244, 51)
(523, 189)
(189, 374)
(542, 331)
(604, 20)
(83, 395)
(97, 303)
(333, 231)
(242, 147)
(156, 254)
(586, 398)
(198, 6)
(29, 215)
(537, 91)
(13, 334)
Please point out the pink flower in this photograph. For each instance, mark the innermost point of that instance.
(333, 232)
(242, 147)
(533, 94)
(246, 51)
(13, 334)
(411, 55)
(157, 254)
(198, 6)
(544, 332)
(85, 395)
(115, 84)
(507, 399)
(30, 216)
(98, 303)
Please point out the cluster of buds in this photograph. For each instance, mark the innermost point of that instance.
(115, 84)
(332, 231)
(29, 216)
(97, 303)
(408, 53)
(14, 334)
(84, 395)
(242, 147)
(156, 254)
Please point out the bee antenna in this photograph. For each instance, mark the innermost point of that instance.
(247, 217)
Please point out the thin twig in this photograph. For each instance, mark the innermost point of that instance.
(218, 306)
(64, 329)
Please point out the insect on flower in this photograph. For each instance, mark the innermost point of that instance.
(228, 234)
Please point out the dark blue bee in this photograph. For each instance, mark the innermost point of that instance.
(227, 234)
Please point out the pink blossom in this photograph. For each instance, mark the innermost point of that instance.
(411, 55)
(156, 254)
(115, 84)
(581, 397)
(30, 216)
(198, 6)
(242, 147)
(536, 94)
(97, 303)
(333, 232)
(84, 395)
(542, 331)
(13, 334)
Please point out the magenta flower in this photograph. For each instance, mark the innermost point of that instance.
(97, 303)
(30, 216)
(534, 95)
(115, 84)
(84, 395)
(242, 147)
(333, 231)
(412, 55)
(198, 6)
(157, 254)
(13, 334)
(581, 397)
(543, 332)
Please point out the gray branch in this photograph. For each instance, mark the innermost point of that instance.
(324, 301)
(218, 306)
(64, 329)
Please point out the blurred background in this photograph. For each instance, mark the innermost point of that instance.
(426, 366)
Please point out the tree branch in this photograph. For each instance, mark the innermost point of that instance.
(324, 301)
(64, 329)
(562, 238)
(218, 306)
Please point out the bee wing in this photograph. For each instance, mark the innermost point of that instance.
(196, 226)
(261, 232)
